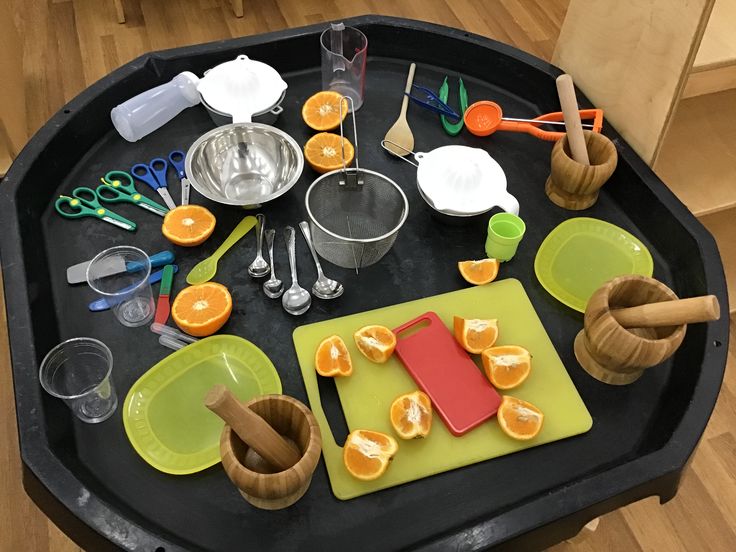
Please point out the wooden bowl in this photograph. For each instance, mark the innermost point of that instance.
(575, 186)
(617, 355)
(273, 491)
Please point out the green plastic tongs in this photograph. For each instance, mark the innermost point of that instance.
(453, 129)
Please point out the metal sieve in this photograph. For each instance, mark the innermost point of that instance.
(355, 214)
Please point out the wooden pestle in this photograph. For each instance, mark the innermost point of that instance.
(669, 313)
(253, 430)
(569, 104)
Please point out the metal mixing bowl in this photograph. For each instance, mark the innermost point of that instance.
(244, 164)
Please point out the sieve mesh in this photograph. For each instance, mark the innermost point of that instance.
(354, 225)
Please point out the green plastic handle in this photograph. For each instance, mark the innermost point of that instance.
(166, 279)
(453, 129)
(243, 227)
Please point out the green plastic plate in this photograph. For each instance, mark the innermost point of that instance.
(581, 254)
(164, 415)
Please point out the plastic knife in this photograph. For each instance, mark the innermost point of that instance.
(103, 304)
(78, 273)
(162, 307)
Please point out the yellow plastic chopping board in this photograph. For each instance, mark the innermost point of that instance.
(368, 393)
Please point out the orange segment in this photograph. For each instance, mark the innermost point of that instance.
(324, 153)
(375, 342)
(333, 358)
(519, 419)
(411, 415)
(479, 272)
(203, 309)
(475, 334)
(188, 225)
(322, 111)
(367, 454)
(507, 366)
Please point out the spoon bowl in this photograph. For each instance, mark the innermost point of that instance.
(205, 270)
(324, 287)
(259, 268)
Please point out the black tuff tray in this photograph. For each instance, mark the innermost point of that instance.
(91, 482)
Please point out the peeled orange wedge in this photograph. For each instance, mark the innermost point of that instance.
(519, 419)
(475, 334)
(322, 111)
(367, 454)
(479, 272)
(411, 415)
(377, 343)
(333, 358)
(324, 153)
(188, 225)
(203, 309)
(507, 366)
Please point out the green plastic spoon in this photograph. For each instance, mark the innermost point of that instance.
(206, 270)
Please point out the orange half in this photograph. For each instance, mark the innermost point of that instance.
(203, 309)
(322, 111)
(367, 454)
(188, 225)
(333, 358)
(475, 334)
(411, 415)
(324, 152)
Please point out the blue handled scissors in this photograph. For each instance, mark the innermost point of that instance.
(118, 187)
(154, 174)
(176, 158)
(85, 203)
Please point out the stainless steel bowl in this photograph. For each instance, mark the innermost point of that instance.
(244, 164)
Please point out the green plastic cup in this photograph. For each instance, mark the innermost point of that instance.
(505, 231)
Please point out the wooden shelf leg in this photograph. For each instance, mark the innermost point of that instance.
(237, 7)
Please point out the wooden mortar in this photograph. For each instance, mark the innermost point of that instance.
(573, 185)
(617, 355)
(273, 491)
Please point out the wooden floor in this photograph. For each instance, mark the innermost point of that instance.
(69, 44)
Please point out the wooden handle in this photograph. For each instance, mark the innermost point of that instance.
(569, 103)
(253, 430)
(669, 313)
(407, 89)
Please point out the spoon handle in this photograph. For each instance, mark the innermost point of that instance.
(261, 228)
(304, 227)
(289, 237)
(270, 233)
(407, 90)
(240, 230)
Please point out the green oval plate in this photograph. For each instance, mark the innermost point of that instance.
(164, 415)
(581, 254)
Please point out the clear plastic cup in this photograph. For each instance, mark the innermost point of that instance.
(78, 372)
(344, 54)
(128, 291)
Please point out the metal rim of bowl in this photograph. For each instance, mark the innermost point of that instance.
(227, 115)
(225, 201)
(396, 228)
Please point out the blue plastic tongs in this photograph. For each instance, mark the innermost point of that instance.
(432, 102)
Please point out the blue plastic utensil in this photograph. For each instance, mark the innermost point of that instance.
(432, 102)
(85, 203)
(103, 304)
(154, 175)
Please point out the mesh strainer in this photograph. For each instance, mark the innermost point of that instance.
(355, 214)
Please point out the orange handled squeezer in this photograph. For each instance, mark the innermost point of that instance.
(486, 117)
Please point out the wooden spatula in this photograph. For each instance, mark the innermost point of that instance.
(400, 134)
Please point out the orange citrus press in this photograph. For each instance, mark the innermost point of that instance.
(485, 117)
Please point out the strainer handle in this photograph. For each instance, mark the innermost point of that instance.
(383, 145)
(355, 136)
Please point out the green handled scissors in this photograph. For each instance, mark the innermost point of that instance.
(84, 203)
(118, 187)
